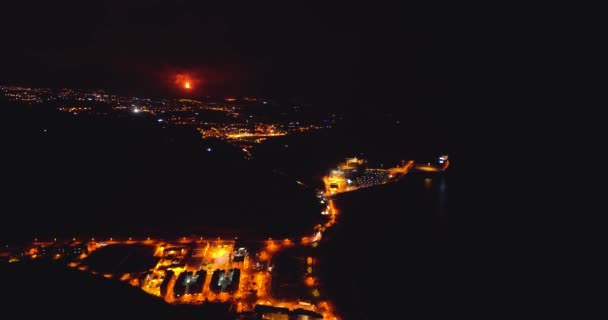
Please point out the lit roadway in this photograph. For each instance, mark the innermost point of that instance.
(213, 254)
(431, 168)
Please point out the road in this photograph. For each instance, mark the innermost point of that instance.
(255, 279)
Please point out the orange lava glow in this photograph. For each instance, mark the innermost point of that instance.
(186, 80)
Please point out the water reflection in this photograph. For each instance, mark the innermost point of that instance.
(428, 183)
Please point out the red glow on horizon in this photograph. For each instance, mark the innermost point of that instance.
(186, 80)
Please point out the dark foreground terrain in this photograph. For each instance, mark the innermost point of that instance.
(49, 289)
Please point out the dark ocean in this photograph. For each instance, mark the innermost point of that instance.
(389, 256)
(388, 252)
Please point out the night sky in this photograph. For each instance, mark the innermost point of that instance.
(344, 53)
